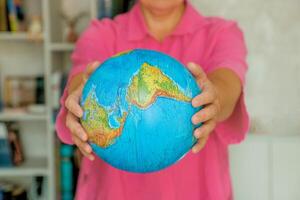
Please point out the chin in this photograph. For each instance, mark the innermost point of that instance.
(161, 5)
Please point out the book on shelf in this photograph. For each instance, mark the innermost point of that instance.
(11, 151)
(24, 93)
(38, 189)
(20, 11)
(1, 103)
(56, 79)
(5, 150)
(15, 143)
(12, 16)
(3, 14)
(58, 82)
(13, 191)
(1, 89)
(10, 191)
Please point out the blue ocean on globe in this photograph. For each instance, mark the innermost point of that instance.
(137, 110)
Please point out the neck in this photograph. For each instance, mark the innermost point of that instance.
(161, 23)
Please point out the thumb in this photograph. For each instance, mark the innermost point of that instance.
(77, 93)
(196, 71)
(90, 69)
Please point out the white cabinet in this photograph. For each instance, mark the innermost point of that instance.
(250, 170)
(266, 168)
(286, 169)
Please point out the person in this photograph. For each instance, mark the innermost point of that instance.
(214, 51)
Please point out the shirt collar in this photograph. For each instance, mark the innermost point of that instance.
(190, 21)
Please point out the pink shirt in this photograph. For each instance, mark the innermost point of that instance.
(210, 42)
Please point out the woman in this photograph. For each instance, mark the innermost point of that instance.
(213, 50)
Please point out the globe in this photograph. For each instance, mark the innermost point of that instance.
(137, 110)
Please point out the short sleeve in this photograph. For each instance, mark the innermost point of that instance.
(229, 51)
(95, 44)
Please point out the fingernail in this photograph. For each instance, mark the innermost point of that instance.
(194, 103)
(80, 113)
(92, 158)
(88, 149)
(190, 64)
(197, 133)
(194, 120)
(194, 150)
(83, 136)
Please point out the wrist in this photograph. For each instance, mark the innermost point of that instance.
(218, 88)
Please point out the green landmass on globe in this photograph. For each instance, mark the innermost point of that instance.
(144, 88)
(151, 82)
(96, 123)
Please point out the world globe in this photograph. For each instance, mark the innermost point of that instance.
(137, 110)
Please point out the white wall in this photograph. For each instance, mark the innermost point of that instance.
(272, 33)
(266, 167)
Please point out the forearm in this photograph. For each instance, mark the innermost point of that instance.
(228, 88)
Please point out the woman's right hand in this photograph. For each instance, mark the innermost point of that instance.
(75, 112)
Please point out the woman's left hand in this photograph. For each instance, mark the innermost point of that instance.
(209, 99)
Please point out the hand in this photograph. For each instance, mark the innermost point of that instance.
(79, 136)
(211, 107)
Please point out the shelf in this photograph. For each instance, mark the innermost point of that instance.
(13, 36)
(31, 167)
(8, 116)
(61, 47)
(22, 36)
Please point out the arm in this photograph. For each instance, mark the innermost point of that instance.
(222, 84)
(220, 91)
(89, 48)
(228, 88)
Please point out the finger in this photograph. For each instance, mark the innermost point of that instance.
(199, 145)
(84, 147)
(207, 113)
(205, 129)
(88, 155)
(75, 127)
(90, 69)
(206, 97)
(196, 71)
(72, 104)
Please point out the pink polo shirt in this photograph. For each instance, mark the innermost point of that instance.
(212, 43)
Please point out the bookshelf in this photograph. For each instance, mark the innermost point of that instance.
(63, 47)
(31, 167)
(14, 36)
(41, 58)
(22, 117)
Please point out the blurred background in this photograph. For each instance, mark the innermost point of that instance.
(36, 40)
